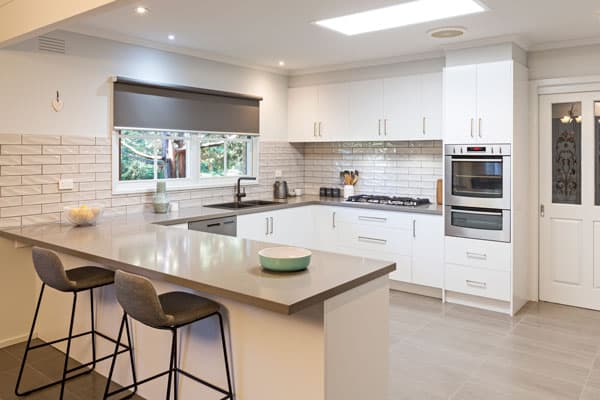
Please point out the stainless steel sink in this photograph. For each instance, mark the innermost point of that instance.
(243, 204)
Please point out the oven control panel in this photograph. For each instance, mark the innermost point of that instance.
(477, 149)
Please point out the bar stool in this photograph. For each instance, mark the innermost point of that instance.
(52, 273)
(168, 311)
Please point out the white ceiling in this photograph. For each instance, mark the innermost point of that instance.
(262, 32)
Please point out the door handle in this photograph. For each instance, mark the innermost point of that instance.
(481, 285)
(414, 228)
(385, 127)
(315, 129)
(271, 218)
(472, 121)
(477, 256)
(267, 220)
(542, 210)
(424, 125)
(479, 127)
(320, 129)
(379, 127)
(371, 219)
(333, 220)
(371, 240)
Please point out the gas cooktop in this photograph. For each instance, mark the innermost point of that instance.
(388, 200)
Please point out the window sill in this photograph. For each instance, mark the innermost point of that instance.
(150, 187)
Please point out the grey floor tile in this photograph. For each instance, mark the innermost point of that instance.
(590, 393)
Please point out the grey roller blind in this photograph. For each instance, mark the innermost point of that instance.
(168, 107)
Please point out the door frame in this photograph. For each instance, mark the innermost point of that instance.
(538, 88)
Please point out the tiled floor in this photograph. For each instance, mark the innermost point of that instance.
(45, 365)
(437, 351)
(442, 351)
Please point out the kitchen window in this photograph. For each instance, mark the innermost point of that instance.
(185, 160)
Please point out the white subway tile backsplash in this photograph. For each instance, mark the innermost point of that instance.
(78, 140)
(41, 139)
(60, 149)
(10, 149)
(40, 179)
(33, 160)
(13, 222)
(76, 159)
(41, 199)
(41, 219)
(61, 169)
(23, 190)
(10, 180)
(20, 211)
(10, 160)
(10, 201)
(10, 138)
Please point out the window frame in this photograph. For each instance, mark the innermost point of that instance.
(193, 179)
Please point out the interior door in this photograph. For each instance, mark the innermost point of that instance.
(570, 221)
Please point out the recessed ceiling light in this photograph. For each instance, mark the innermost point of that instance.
(449, 32)
(141, 10)
(281, 63)
(411, 13)
(171, 37)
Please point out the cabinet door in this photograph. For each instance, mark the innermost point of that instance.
(401, 106)
(431, 106)
(333, 111)
(292, 227)
(428, 250)
(495, 102)
(302, 114)
(460, 104)
(326, 220)
(366, 110)
(254, 227)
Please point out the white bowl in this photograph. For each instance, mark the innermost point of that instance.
(83, 215)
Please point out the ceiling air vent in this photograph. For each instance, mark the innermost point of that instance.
(52, 45)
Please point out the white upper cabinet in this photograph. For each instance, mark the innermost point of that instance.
(495, 102)
(403, 108)
(302, 114)
(333, 105)
(431, 105)
(478, 103)
(366, 109)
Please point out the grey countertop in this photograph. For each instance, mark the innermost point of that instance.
(201, 213)
(214, 264)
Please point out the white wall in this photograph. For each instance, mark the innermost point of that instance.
(565, 62)
(29, 80)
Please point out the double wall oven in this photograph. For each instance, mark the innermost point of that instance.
(478, 191)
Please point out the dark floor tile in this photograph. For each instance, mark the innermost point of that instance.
(31, 379)
(8, 362)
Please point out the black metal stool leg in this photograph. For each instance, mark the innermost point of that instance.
(93, 328)
(23, 362)
(69, 339)
(171, 363)
(175, 366)
(114, 358)
(131, 358)
(229, 386)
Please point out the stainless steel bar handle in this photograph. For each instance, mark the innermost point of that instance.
(478, 284)
(271, 218)
(320, 129)
(472, 127)
(498, 214)
(414, 228)
(315, 129)
(371, 240)
(424, 125)
(385, 127)
(477, 256)
(333, 220)
(480, 160)
(379, 127)
(479, 127)
(267, 232)
(372, 219)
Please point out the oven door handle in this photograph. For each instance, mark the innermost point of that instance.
(498, 213)
(499, 159)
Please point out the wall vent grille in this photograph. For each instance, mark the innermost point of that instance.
(52, 45)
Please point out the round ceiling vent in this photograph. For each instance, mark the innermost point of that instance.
(448, 32)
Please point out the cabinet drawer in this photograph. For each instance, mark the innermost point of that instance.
(389, 219)
(478, 253)
(479, 282)
(375, 238)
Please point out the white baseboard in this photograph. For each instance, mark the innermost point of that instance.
(478, 302)
(14, 340)
(416, 289)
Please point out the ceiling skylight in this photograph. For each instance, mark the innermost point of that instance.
(411, 13)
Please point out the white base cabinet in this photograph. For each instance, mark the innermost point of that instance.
(414, 242)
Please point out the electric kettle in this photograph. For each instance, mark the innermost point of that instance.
(280, 190)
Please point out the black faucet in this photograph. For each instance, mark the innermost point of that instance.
(239, 194)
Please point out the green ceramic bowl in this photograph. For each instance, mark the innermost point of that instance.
(284, 259)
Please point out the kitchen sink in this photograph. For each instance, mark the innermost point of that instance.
(244, 204)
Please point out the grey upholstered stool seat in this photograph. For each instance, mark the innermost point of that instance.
(186, 308)
(52, 272)
(171, 311)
